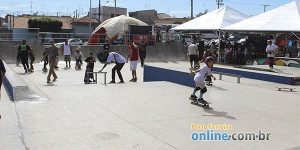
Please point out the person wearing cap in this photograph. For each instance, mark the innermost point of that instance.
(199, 79)
(78, 58)
(120, 62)
(89, 68)
(271, 50)
(24, 53)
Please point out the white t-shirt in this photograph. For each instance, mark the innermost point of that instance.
(67, 49)
(271, 48)
(202, 74)
(113, 56)
(193, 49)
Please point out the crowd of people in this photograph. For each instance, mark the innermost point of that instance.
(51, 56)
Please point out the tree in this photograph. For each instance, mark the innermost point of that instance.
(45, 24)
(202, 13)
(177, 22)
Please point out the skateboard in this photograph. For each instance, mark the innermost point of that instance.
(195, 102)
(209, 83)
(281, 88)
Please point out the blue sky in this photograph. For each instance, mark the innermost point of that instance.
(178, 8)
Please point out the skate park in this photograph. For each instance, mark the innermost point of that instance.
(69, 114)
(251, 106)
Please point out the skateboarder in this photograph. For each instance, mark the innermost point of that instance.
(199, 79)
(78, 58)
(2, 75)
(120, 62)
(45, 59)
(89, 68)
(24, 51)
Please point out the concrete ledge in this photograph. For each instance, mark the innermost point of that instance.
(16, 88)
(160, 74)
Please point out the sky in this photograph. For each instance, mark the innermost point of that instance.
(175, 8)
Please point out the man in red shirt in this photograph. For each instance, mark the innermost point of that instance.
(133, 54)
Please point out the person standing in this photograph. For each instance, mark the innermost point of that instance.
(142, 52)
(271, 49)
(89, 68)
(133, 54)
(67, 53)
(106, 46)
(120, 62)
(158, 34)
(24, 51)
(52, 53)
(193, 53)
(32, 59)
(2, 75)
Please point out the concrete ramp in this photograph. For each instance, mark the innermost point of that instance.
(16, 88)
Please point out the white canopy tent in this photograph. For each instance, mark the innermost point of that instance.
(285, 18)
(214, 21)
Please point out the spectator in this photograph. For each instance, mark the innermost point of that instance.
(52, 53)
(193, 53)
(134, 57)
(142, 52)
(67, 53)
(78, 58)
(271, 49)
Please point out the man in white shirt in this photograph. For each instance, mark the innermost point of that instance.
(193, 53)
(120, 62)
(67, 53)
(271, 49)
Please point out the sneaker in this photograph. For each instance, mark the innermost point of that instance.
(193, 97)
(48, 81)
(55, 79)
(121, 82)
(132, 80)
(112, 82)
(135, 79)
(202, 101)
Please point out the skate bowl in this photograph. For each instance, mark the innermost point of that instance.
(16, 88)
(159, 52)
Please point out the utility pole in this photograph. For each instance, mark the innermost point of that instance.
(192, 9)
(99, 11)
(30, 7)
(219, 3)
(90, 17)
(265, 6)
(115, 8)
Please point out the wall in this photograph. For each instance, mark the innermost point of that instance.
(160, 52)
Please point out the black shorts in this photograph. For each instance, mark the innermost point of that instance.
(0, 81)
(193, 58)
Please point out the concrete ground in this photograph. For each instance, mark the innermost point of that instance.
(150, 115)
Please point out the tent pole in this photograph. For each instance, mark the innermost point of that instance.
(296, 36)
(219, 46)
(286, 40)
